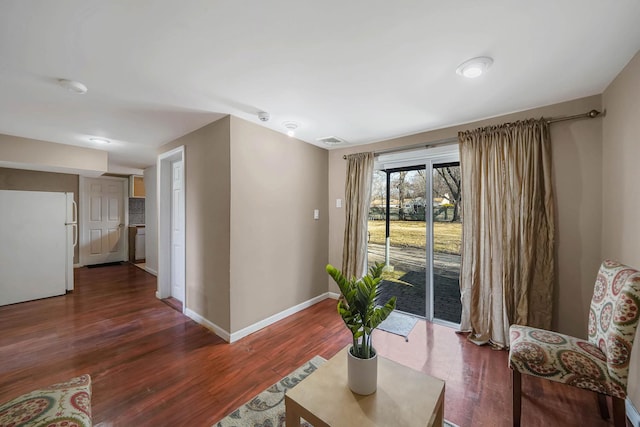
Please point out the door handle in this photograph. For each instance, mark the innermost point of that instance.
(75, 211)
(75, 234)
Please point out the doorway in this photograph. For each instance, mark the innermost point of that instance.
(415, 230)
(102, 219)
(171, 226)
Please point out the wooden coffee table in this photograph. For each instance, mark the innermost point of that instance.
(404, 398)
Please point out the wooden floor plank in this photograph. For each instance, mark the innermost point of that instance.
(151, 365)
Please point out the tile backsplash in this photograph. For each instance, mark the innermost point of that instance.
(136, 210)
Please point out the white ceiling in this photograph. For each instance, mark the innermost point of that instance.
(360, 70)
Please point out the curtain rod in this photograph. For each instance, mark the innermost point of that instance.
(447, 141)
(590, 115)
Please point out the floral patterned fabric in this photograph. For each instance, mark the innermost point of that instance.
(600, 364)
(66, 404)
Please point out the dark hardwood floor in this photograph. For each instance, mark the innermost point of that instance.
(152, 366)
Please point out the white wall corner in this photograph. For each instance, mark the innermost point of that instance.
(208, 324)
(276, 317)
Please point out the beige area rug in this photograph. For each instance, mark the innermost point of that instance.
(267, 408)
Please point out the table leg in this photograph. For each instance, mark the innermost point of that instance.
(292, 416)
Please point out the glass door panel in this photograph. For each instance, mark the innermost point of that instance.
(447, 240)
(415, 229)
(398, 236)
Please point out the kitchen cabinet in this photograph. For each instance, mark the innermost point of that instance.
(136, 184)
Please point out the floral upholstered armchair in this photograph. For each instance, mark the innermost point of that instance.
(600, 364)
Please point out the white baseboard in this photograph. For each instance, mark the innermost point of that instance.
(632, 413)
(151, 271)
(276, 317)
(230, 338)
(77, 265)
(208, 324)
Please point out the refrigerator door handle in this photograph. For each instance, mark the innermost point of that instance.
(75, 234)
(74, 217)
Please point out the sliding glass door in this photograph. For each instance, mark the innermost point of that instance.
(415, 229)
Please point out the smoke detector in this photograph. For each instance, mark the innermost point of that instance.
(332, 140)
(263, 116)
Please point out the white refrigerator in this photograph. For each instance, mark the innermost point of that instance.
(38, 231)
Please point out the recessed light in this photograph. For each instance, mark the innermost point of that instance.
(73, 86)
(100, 140)
(291, 128)
(474, 67)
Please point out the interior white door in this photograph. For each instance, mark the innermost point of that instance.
(103, 224)
(177, 231)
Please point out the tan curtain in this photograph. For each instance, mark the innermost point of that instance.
(507, 270)
(357, 199)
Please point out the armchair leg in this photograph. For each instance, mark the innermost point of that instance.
(602, 404)
(619, 414)
(516, 388)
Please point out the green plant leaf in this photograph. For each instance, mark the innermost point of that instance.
(357, 306)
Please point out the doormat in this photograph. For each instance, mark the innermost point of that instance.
(106, 264)
(398, 323)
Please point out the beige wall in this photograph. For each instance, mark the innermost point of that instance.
(621, 177)
(26, 180)
(207, 192)
(253, 248)
(577, 151)
(278, 251)
(24, 153)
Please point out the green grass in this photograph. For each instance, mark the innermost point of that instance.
(447, 236)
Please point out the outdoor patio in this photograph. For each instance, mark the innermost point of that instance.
(411, 298)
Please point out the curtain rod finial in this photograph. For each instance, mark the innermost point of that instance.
(593, 113)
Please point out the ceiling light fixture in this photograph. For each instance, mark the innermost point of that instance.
(474, 67)
(73, 86)
(291, 128)
(100, 140)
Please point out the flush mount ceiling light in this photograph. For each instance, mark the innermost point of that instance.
(291, 128)
(99, 140)
(474, 67)
(73, 86)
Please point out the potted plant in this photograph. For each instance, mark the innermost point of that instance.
(359, 311)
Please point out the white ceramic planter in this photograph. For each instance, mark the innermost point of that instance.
(362, 374)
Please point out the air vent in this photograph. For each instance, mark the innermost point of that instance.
(332, 140)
